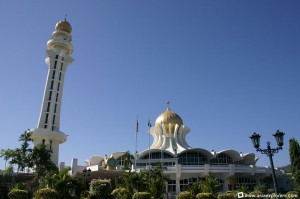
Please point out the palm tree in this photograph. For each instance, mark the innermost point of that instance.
(6, 154)
(210, 184)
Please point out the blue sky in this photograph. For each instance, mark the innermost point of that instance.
(229, 68)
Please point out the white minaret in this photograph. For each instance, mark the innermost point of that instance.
(58, 52)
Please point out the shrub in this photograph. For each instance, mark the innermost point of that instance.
(226, 196)
(100, 188)
(141, 195)
(45, 193)
(205, 196)
(184, 195)
(120, 193)
(18, 194)
(292, 194)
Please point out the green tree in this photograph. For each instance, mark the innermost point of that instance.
(127, 161)
(100, 189)
(40, 160)
(194, 188)
(6, 155)
(157, 181)
(210, 184)
(294, 151)
(63, 183)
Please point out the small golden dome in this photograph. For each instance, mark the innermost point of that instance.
(168, 117)
(63, 26)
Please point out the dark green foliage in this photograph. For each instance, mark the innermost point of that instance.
(45, 193)
(261, 188)
(141, 195)
(120, 193)
(4, 190)
(194, 188)
(100, 189)
(226, 196)
(40, 160)
(18, 194)
(294, 152)
(184, 195)
(205, 196)
(210, 184)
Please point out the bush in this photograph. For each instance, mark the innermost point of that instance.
(100, 188)
(120, 193)
(46, 193)
(226, 196)
(292, 194)
(18, 194)
(141, 195)
(184, 195)
(205, 196)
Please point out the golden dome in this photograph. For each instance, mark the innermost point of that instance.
(64, 26)
(168, 117)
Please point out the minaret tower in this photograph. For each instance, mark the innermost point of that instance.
(59, 49)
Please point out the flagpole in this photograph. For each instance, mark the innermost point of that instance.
(149, 126)
(137, 130)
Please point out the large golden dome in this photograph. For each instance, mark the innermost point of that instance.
(168, 117)
(64, 26)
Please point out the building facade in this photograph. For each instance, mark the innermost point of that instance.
(182, 163)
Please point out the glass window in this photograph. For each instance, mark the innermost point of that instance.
(50, 95)
(46, 119)
(61, 66)
(48, 106)
(55, 108)
(192, 158)
(59, 76)
(53, 121)
(56, 97)
(58, 85)
(56, 56)
(55, 63)
(221, 159)
(53, 74)
(51, 86)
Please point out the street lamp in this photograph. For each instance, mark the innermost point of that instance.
(255, 138)
(86, 174)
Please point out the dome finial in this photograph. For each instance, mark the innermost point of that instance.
(65, 17)
(168, 104)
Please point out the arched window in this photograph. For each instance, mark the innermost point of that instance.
(157, 155)
(192, 158)
(221, 159)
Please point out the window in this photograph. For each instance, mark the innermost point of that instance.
(62, 58)
(59, 76)
(61, 66)
(221, 159)
(53, 74)
(50, 144)
(48, 106)
(45, 126)
(50, 95)
(51, 86)
(55, 63)
(58, 86)
(56, 56)
(46, 119)
(52, 128)
(55, 108)
(53, 121)
(192, 158)
(43, 142)
(56, 97)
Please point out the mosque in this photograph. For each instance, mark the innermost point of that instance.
(181, 162)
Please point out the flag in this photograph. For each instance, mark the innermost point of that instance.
(149, 123)
(137, 125)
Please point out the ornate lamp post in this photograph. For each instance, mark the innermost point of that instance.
(86, 174)
(255, 138)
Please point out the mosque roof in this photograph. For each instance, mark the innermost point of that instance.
(63, 26)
